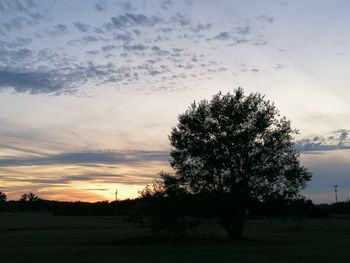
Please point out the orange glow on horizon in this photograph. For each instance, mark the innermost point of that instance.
(80, 182)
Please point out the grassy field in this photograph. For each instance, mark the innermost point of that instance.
(41, 237)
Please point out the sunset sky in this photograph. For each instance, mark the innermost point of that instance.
(89, 90)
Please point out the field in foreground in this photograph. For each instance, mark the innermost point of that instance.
(41, 237)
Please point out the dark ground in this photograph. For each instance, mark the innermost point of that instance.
(42, 237)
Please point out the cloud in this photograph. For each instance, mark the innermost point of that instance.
(16, 23)
(98, 157)
(63, 179)
(122, 37)
(343, 136)
(14, 56)
(21, 6)
(201, 27)
(22, 150)
(151, 42)
(265, 19)
(159, 52)
(109, 48)
(127, 6)
(238, 36)
(181, 19)
(16, 15)
(222, 36)
(18, 42)
(130, 20)
(137, 47)
(100, 6)
(32, 82)
(56, 81)
(59, 30)
(165, 29)
(85, 40)
(336, 140)
(81, 26)
(166, 4)
(243, 30)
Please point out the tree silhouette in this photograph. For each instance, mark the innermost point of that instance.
(236, 148)
(30, 197)
(161, 208)
(30, 201)
(3, 197)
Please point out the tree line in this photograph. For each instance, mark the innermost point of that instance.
(132, 208)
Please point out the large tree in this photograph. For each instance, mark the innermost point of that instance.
(236, 148)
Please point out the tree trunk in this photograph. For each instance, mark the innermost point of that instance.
(232, 212)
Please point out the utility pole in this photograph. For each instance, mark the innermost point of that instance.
(116, 194)
(336, 192)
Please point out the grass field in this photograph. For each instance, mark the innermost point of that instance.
(41, 237)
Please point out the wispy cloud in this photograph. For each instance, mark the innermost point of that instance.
(130, 20)
(98, 157)
(265, 19)
(63, 176)
(21, 6)
(33, 82)
(336, 140)
(100, 6)
(81, 26)
(58, 30)
(65, 53)
(19, 14)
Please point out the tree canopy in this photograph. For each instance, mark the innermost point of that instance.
(238, 148)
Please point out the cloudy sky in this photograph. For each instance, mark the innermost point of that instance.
(89, 90)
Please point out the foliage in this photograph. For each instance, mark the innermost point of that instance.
(3, 203)
(30, 202)
(3, 197)
(238, 149)
(30, 197)
(341, 208)
(161, 208)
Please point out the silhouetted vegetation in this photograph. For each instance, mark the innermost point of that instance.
(3, 197)
(177, 215)
(339, 208)
(192, 207)
(234, 150)
(30, 197)
(163, 208)
(30, 201)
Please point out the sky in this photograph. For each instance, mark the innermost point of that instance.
(90, 89)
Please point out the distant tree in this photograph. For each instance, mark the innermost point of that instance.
(235, 148)
(30, 197)
(3, 197)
